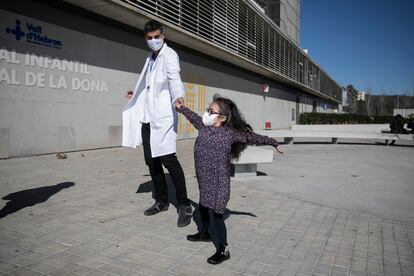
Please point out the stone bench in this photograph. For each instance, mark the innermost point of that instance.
(334, 132)
(249, 158)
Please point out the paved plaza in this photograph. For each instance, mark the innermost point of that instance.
(320, 209)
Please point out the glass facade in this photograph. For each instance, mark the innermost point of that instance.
(241, 28)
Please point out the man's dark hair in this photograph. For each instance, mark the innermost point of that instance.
(152, 26)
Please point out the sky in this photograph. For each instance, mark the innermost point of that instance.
(366, 43)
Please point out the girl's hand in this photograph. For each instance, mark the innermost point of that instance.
(281, 152)
(179, 103)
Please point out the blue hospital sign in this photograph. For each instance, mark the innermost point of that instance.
(33, 34)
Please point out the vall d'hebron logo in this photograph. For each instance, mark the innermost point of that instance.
(33, 35)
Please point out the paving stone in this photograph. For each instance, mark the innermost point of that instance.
(286, 272)
(7, 267)
(339, 270)
(327, 258)
(264, 273)
(24, 271)
(98, 273)
(76, 268)
(357, 273)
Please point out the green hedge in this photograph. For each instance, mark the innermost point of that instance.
(334, 118)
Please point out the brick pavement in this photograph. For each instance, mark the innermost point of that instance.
(97, 227)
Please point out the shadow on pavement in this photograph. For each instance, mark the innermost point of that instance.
(31, 197)
(227, 214)
(147, 187)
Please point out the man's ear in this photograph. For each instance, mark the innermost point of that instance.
(223, 119)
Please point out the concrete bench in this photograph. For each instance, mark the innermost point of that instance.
(397, 136)
(334, 132)
(249, 158)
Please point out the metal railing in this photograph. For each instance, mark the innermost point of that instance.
(240, 27)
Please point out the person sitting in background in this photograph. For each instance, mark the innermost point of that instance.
(410, 123)
(397, 126)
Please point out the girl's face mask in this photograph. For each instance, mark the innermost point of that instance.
(209, 119)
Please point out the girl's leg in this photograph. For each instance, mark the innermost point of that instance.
(205, 218)
(221, 229)
(203, 226)
(221, 253)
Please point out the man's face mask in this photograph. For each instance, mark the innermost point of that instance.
(155, 44)
(155, 40)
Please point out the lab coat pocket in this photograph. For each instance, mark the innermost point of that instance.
(163, 107)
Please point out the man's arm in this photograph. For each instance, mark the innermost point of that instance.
(174, 79)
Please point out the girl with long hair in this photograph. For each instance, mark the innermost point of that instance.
(222, 135)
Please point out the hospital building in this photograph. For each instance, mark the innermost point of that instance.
(66, 65)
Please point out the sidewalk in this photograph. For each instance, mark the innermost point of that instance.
(94, 223)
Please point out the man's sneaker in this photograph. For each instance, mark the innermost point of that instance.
(199, 237)
(219, 257)
(184, 215)
(156, 208)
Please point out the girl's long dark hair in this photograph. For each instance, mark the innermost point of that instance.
(234, 120)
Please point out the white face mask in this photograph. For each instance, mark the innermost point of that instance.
(209, 120)
(155, 44)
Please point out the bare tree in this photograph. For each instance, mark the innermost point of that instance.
(368, 99)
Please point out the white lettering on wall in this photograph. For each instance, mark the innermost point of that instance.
(89, 85)
(8, 57)
(8, 77)
(57, 82)
(48, 62)
(54, 80)
(41, 80)
(30, 78)
(35, 79)
(75, 84)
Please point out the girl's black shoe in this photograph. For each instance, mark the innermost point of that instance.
(199, 237)
(219, 257)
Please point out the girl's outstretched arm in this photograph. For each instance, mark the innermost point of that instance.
(193, 117)
(252, 138)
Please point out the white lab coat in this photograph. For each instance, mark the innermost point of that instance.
(166, 86)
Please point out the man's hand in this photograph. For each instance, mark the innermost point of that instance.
(129, 94)
(179, 102)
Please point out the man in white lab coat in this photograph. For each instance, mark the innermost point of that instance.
(150, 119)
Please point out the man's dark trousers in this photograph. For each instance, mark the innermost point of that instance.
(157, 173)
